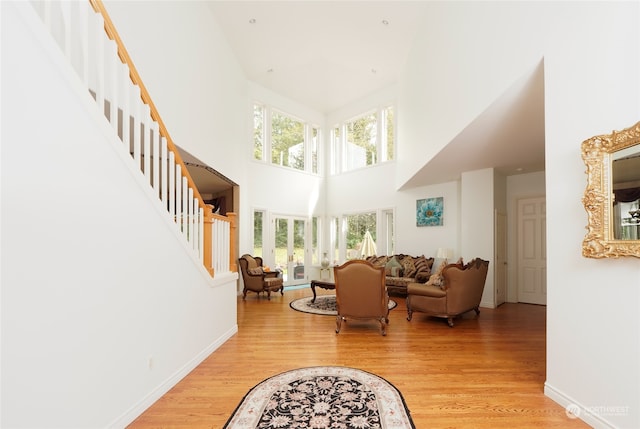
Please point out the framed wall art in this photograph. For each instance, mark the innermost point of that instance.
(429, 211)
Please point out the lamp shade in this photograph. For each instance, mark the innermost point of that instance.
(444, 253)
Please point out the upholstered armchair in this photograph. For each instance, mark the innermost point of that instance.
(361, 293)
(256, 279)
(460, 291)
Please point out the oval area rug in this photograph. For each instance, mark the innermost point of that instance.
(323, 397)
(324, 304)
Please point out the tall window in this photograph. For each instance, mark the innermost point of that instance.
(258, 131)
(315, 143)
(315, 241)
(362, 135)
(357, 226)
(287, 141)
(258, 230)
(389, 133)
(387, 242)
(281, 139)
(363, 141)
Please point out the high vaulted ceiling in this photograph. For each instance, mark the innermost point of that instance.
(326, 54)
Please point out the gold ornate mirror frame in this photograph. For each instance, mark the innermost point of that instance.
(597, 154)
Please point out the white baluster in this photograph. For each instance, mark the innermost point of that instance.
(126, 99)
(163, 170)
(185, 207)
(156, 158)
(137, 132)
(200, 231)
(179, 211)
(113, 61)
(172, 184)
(146, 141)
(100, 36)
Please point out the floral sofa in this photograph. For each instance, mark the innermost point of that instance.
(401, 270)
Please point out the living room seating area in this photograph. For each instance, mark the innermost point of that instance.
(400, 270)
(457, 290)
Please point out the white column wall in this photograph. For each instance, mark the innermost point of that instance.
(477, 225)
(591, 59)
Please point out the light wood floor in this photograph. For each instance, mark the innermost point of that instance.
(486, 372)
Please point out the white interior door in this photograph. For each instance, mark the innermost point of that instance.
(289, 234)
(532, 251)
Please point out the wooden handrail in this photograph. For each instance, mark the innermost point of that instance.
(123, 54)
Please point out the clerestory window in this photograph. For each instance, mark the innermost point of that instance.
(366, 140)
(282, 139)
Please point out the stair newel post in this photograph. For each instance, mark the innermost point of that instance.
(233, 266)
(207, 252)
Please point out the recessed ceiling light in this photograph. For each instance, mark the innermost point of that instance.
(252, 21)
(374, 71)
(270, 70)
(385, 22)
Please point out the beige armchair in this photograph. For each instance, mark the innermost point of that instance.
(256, 279)
(460, 291)
(361, 293)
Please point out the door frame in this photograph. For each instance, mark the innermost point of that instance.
(289, 279)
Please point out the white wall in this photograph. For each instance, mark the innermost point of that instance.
(591, 87)
(103, 307)
(591, 56)
(477, 225)
(192, 76)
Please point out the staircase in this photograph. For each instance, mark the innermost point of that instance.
(87, 37)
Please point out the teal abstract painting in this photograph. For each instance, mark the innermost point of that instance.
(429, 211)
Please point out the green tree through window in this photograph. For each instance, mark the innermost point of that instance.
(287, 141)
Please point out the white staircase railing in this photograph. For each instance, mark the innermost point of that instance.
(88, 39)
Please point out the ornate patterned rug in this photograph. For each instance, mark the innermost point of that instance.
(324, 304)
(323, 397)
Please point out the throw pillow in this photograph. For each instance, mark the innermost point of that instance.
(409, 267)
(423, 268)
(436, 279)
(393, 268)
(256, 271)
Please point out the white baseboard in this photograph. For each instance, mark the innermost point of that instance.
(487, 304)
(577, 410)
(135, 411)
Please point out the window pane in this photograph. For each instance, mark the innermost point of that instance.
(287, 141)
(361, 142)
(315, 234)
(258, 131)
(335, 143)
(258, 218)
(388, 146)
(357, 226)
(315, 136)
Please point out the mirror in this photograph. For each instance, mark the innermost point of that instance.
(612, 196)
